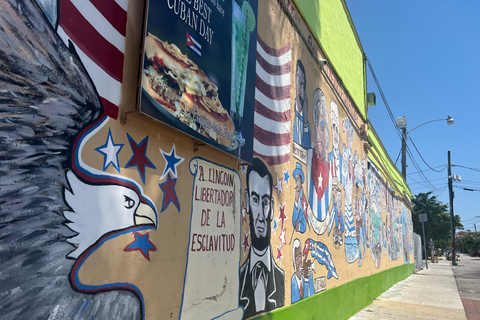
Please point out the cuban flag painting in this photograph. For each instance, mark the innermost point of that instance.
(321, 254)
(194, 45)
(319, 192)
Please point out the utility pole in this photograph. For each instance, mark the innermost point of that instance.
(452, 220)
(404, 153)
(422, 217)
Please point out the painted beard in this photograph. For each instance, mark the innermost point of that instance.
(263, 242)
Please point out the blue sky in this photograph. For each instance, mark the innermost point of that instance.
(426, 56)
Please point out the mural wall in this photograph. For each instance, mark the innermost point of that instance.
(108, 213)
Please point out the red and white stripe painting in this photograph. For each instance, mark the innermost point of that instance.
(97, 29)
(272, 122)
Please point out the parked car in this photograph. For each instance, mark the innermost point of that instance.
(449, 255)
(475, 254)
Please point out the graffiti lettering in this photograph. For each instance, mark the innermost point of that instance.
(205, 242)
(313, 43)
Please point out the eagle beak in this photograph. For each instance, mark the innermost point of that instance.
(145, 215)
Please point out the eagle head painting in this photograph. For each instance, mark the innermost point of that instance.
(57, 211)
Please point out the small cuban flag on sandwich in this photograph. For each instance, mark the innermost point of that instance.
(194, 45)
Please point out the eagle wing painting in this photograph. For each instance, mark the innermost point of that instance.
(46, 100)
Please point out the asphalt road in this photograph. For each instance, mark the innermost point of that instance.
(467, 275)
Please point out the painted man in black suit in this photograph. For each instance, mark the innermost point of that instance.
(262, 282)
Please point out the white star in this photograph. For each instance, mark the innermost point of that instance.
(110, 152)
(282, 238)
(278, 186)
(320, 180)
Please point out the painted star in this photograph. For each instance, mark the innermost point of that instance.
(278, 186)
(279, 255)
(169, 194)
(282, 216)
(244, 168)
(139, 158)
(142, 244)
(172, 161)
(244, 215)
(110, 152)
(286, 176)
(275, 226)
(282, 238)
(245, 242)
(320, 180)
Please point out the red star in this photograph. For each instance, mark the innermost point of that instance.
(282, 216)
(169, 195)
(139, 158)
(279, 254)
(245, 243)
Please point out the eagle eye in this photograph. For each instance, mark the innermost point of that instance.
(129, 202)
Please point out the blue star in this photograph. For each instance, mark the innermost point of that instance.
(244, 168)
(172, 162)
(110, 152)
(286, 176)
(142, 244)
(275, 226)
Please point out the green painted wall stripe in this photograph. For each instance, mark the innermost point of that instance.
(345, 300)
(330, 23)
(379, 149)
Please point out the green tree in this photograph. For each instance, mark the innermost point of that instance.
(468, 242)
(437, 226)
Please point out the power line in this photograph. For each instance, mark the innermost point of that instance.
(457, 165)
(397, 130)
(471, 181)
(422, 157)
(443, 165)
(398, 157)
(466, 189)
(430, 181)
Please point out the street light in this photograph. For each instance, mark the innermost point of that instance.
(402, 124)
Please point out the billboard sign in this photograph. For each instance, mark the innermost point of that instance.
(198, 72)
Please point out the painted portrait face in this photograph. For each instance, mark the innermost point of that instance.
(298, 261)
(300, 84)
(321, 123)
(259, 205)
(335, 126)
(298, 186)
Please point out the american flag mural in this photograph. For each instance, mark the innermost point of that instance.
(272, 122)
(97, 30)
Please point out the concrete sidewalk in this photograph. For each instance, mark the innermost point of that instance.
(429, 294)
